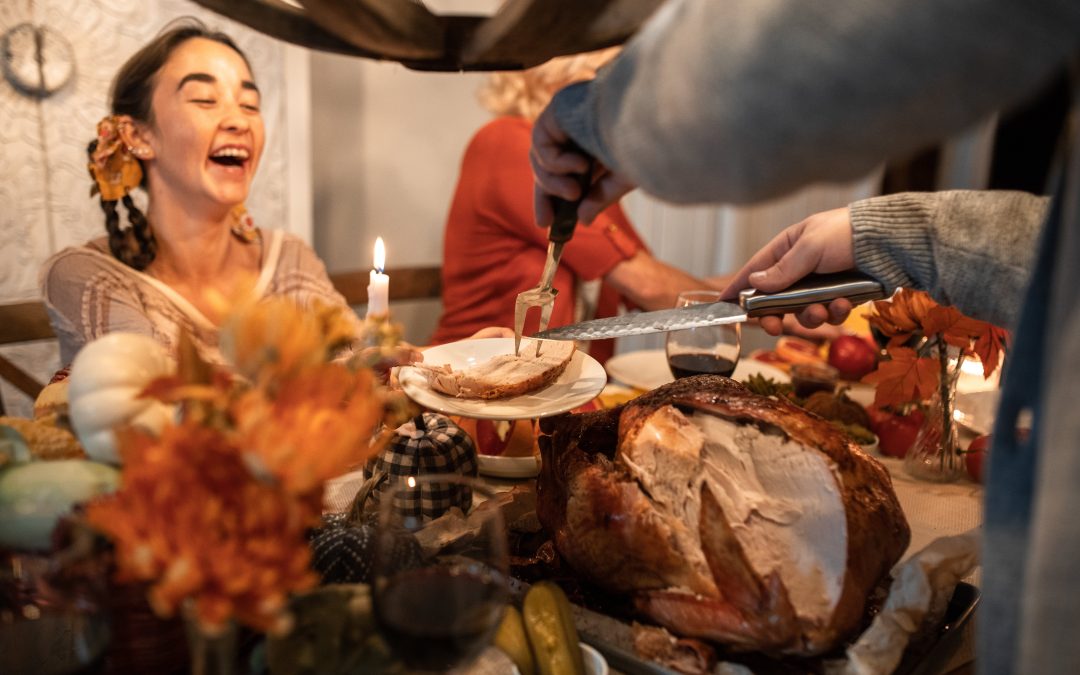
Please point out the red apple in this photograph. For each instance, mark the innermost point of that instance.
(976, 456)
(896, 433)
(854, 357)
(488, 440)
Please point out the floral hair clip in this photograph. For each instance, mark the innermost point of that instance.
(112, 166)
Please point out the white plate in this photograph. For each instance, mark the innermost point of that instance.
(595, 663)
(508, 467)
(648, 369)
(582, 380)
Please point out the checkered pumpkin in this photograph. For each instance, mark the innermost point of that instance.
(344, 553)
(428, 444)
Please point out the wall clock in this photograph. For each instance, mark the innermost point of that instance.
(37, 60)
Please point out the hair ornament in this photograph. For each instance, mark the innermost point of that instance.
(114, 170)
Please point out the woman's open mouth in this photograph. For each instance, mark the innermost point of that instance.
(230, 156)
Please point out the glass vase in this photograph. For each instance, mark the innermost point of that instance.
(211, 653)
(936, 455)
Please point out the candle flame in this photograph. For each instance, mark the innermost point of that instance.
(380, 255)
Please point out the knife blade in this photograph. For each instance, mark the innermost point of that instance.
(813, 289)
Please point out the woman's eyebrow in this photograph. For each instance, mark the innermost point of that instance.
(210, 79)
(196, 77)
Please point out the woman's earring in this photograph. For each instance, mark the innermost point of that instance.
(139, 152)
(243, 225)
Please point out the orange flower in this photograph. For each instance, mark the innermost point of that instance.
(273, 339)
(193, 520)
(319, 426)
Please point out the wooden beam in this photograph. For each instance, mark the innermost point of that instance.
(521, 34)
(23, 322)
(406, 283)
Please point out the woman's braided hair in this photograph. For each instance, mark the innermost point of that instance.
(132, 91)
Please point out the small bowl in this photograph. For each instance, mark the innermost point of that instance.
(871, 447)
(595, 664)
(809, 378)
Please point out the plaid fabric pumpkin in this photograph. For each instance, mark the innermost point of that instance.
(428, 444)
(343, 553)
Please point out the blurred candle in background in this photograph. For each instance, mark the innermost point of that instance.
(379, 284)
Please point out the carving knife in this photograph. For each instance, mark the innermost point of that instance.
(813, 289)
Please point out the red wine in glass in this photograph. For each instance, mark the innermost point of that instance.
(690, 363)
(437, 618)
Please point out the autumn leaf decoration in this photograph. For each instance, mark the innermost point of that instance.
(920, 331)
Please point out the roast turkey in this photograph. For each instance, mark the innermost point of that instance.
(725, 515)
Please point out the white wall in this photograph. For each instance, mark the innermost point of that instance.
(387, 143)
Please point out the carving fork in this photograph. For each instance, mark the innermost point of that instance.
(543, 295)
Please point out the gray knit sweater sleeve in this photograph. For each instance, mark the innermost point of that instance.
(966, 248)
(736, 100)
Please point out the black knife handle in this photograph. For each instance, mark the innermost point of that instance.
(562, 227)
(813, 289)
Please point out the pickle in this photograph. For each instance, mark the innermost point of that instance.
(511, 639)
(550, 626)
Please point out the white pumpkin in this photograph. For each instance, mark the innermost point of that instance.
(106, 379)
(34, 495)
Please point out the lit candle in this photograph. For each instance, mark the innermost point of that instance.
(379, 285)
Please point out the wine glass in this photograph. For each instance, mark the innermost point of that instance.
(708, 350)
(439, 593)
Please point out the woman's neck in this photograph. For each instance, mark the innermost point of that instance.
(197, 253)
(193, 245)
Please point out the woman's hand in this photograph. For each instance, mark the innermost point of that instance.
(492, 332)
(822, 243)
(557, 169)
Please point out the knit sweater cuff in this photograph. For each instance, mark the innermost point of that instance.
(892, 239)
(573, 107)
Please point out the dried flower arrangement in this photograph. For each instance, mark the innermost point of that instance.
(215, 509)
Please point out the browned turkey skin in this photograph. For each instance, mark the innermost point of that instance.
(728, 516)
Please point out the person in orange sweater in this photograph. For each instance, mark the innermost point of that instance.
(493, 249)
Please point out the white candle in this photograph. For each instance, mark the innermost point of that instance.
(379, 284)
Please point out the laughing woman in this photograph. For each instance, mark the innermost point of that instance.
(185, 126)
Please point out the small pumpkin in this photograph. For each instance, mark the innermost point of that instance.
(106, 379)
(35, 495)
(344, 552)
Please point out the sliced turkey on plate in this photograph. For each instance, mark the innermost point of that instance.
(504, 375)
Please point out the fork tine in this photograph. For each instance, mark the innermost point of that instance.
(521, 308)
(545, 318)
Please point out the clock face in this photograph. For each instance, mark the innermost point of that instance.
(37, 60)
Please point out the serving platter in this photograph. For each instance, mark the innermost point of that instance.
(582, 380)
(648, 369)
(498, 466)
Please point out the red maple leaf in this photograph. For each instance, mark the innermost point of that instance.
(989, 347)
(904, 378)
